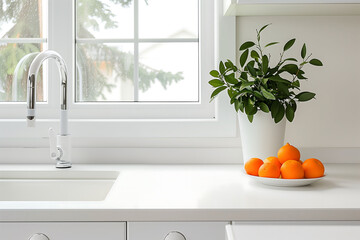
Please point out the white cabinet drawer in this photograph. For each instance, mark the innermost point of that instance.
(349, 230)
(189, 230)
(64, 231)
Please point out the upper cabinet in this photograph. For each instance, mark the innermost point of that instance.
(291, 7)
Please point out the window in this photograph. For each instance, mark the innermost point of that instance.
(135, 69)
(23, 33)
(130, 64)
(126, 54)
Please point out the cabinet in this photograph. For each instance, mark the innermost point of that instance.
(64, 231)
(291, 7)
(176, 230)
(294, 230)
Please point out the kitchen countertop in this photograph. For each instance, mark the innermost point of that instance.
(197, 193)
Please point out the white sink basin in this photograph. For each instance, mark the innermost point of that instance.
(56, 185)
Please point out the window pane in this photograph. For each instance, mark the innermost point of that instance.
(105, 19)
(176, 76)
(168, 19)
(21, 18)
(105, 72)
(13, 89)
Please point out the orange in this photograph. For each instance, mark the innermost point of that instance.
(269, 170)
(288, 152)
(252, 166)
(313, 168)
(273, 160)
(292, 169)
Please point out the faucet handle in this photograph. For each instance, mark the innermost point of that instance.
(54, 152)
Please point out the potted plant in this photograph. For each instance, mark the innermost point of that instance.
(262, 94)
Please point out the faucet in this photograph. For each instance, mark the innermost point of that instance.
(60, 145)
(23, 65)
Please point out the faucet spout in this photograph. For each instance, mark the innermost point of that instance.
(31, 89)
(31, 97)
(62, 151)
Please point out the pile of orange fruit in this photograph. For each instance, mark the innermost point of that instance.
(286, 165)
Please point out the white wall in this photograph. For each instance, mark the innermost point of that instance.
(332, 120)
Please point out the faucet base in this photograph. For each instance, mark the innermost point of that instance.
(62, 164)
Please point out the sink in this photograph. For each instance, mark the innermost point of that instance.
(56, 185)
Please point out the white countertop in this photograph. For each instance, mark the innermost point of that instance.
(198, 193)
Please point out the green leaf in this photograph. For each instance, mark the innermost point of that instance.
(254, 111)
(270, 44)
(305, 96)
(296, 83)
(289, 44)
(290, 59)
(265, 64)
(267, 94)
(251, 63)
(277, 78)
(229, 64)
(231, 93)
(250, 108)
(214, 73)
(245, 85)
(303, 53)
(316, 62)
(290, 113)
(251, 118)
(217, 91)
(284, 89)
(264, 80)
(264, 107)
(216, 83)
(272, 71)
(221, 67)
(290, 68)
(251, 70)
(293, 105)
(245, 92)
(258, 95)
(244, 76)
(241, 106)
(231, 78)
(246, 45)
(237, 105)
(280, 114)
(300, 76)
(274, 108)
(261, 29)
(244, 57)
(254, 54)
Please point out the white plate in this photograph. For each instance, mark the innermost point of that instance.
(279, 182)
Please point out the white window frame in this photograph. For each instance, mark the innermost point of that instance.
(188, 120)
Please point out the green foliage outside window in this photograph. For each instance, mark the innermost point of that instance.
(92, 13)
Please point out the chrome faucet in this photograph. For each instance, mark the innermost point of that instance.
(22, 67)
(60, 145)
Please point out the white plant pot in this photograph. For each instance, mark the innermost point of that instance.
(263, 137)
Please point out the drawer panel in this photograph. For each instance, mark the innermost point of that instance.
(64, 231)
(189, 230)
(327, 230)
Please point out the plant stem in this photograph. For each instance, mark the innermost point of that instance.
(301, 66)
